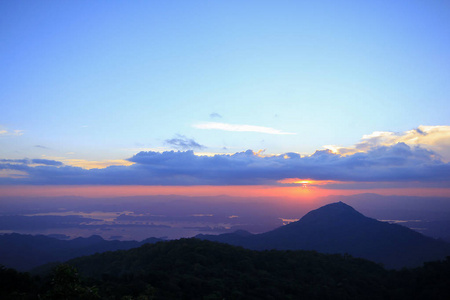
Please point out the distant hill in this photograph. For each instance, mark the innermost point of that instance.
(200, 269)
(24, 252)
(195, 269)
(338, 228)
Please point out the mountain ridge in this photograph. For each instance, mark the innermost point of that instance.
(339, 228)
(24, 252)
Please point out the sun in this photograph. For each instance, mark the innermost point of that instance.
(305, 183)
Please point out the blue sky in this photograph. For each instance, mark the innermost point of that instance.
(105, 80)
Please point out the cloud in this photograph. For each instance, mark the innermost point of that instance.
(94, 164)
(46, 162)
(6, 173)
(215, 115)
(19, 161)
(40, 146)
(239, 128)
(183, 143)
(377, 160)
(83, 163)
(400, 164)
(25, 161)
(5, 132)
(433, 138)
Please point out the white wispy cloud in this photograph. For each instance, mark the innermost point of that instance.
(239, 128)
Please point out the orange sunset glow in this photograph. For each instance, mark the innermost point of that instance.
(305, 190)
(307, 182)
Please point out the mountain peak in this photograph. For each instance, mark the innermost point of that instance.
(338, 204)
(332, 212)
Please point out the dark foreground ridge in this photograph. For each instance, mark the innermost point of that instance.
(196, 269)
(338, 228)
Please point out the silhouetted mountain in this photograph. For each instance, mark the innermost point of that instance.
(338, 228)
(24, 252)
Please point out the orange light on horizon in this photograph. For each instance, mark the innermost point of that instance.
(253, 191)
(295, 193)
(307, 181)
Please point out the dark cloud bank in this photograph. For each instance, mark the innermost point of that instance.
(181, 142)
(25, 161)
(395, 164)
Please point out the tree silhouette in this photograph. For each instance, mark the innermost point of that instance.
(66, 285)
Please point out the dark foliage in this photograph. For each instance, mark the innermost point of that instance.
(15, 285)
(196, 269)
(66, 284)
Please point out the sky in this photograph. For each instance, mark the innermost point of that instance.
(263, 98)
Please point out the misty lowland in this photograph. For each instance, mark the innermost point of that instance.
(333, 252)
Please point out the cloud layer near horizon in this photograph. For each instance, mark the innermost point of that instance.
(434, 138)
(399, 163)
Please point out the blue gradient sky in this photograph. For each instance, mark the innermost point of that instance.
(104, 80)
